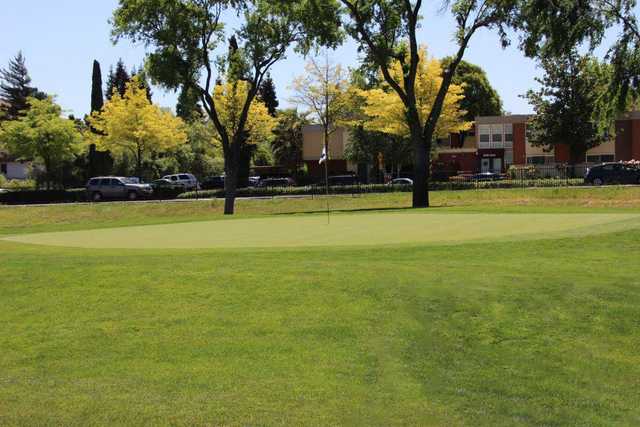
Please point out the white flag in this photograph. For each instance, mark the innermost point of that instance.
(323, 157)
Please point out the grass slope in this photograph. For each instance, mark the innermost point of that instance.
(342, 230)
(536, 332)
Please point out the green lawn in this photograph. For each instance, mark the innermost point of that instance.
(534, 321)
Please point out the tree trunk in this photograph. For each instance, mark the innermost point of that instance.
(420, 163)
(231, 179)
(420, 172)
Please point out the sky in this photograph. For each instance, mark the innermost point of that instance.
(63, 37)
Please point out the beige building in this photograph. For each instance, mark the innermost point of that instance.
(313, 144)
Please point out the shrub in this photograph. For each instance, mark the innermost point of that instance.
(16, 184)
(25, 197)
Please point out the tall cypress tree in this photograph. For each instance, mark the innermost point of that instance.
(97, 100)
(15, 88)
(267, 93)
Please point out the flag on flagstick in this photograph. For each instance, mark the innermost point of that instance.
(323, 157)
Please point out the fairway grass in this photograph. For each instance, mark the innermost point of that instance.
(471, 315)
(341, 230)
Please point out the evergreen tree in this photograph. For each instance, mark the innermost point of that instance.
(15, 88)
(267, 93)
(97, 100)
(117, 80)
(188, 107)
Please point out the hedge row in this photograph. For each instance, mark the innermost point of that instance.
(24, 197)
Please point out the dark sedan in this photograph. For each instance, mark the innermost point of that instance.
(612, 173)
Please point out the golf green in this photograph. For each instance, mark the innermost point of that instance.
(344, 230)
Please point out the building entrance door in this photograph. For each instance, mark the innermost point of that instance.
(485, 165)
(497, 165)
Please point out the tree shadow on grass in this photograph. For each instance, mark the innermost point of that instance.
(360, 210)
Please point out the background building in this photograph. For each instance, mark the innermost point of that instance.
(493, 144)
(313, 143)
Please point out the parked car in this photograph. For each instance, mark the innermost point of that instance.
(213, 183)
(276, 182)
(401, 181)
(487, 176)
(133, 180)
(343, 180)
(114, 187)
(612, 173)
(187, 180)
(165, 188)
(254, 181)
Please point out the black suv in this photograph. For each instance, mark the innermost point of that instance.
(213, 183)
(612, 173)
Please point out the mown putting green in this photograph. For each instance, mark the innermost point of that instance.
(344, 230)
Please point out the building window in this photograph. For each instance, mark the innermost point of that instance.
(508, 158)
(496, 136)
(603, 158)
(508, 133)
(540, 160)
(485, 135)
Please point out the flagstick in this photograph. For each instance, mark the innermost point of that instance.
(326, 181)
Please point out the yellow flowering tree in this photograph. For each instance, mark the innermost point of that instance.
(257, 130)
(229, 98)
(132, 125)
(385, 112)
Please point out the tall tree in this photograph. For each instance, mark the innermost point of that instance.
(43, 135)
(323, 92)
(15, 88)
(386, 30)
(573, 106)
(385, 112)
(184, 36)
(131, 126)
(287, 143)
(552, 29)
(97, 100)
(117, 80)
(267, 94)
(480, 98)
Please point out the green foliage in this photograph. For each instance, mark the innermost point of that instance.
(15, 89)
(480, 98)
(44, 136)
(188, 107)
(16, 184)
(573, 106)
(287, 142)
(552, 29)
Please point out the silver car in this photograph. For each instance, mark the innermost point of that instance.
(114, 187)
(187, 180)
